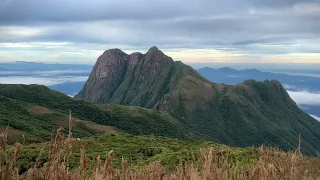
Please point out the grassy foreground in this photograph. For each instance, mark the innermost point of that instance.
(124, 156)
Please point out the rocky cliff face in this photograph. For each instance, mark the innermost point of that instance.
(136, 79)
(246, 114)
(106, 76)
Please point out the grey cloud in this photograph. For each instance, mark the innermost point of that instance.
(83, 10)
(203, 30)
(280, 3)
(234, 25)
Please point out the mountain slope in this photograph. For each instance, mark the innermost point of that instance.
(36, 111)
(250, 113)
(291, 82)
(36, 123)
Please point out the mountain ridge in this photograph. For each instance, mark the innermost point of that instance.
(292, 83)
(246, 114)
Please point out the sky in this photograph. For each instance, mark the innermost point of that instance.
(192, 31)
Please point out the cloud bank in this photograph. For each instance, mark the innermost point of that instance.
(315, 117)
(47, 81)
(305, 97)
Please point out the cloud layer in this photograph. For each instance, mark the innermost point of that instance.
(47, 81)
(315, 117)
(305, 97)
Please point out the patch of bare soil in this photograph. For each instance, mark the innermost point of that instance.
(39, 110)
(11, 131)
(99, 128)
(90, 125)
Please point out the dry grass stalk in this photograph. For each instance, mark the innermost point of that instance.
(273, 164)
(124, 169)
(83, 164)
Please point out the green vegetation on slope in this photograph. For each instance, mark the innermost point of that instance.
(37, 111)
(140, 151)
(36, 123)
(253, 113)
(149, 157)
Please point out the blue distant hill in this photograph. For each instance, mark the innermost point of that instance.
(232, 76)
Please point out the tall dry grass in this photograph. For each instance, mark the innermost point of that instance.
(272, 164)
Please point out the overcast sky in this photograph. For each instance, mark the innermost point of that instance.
(193, 31)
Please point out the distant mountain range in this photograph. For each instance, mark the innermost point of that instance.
(35, 66)
(246, 114)
(232, 76)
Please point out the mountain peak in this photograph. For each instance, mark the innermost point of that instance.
(113, 72)
(227, 69)
(157, 57)
(154, 48)
(114, 51)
